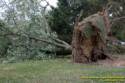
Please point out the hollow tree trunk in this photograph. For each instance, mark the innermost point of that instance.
(90, 47)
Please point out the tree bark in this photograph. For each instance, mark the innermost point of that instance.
(93, 48)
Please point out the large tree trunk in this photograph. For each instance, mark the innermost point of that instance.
(90, 47)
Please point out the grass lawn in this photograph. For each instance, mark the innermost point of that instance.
(55, 71)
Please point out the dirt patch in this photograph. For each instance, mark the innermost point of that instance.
(116, 62)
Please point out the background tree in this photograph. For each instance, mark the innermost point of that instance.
(62, 18)
(118, 15)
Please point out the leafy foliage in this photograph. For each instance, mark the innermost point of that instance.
(62, 18)
(24, 25)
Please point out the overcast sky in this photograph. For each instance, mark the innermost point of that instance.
(51, 2)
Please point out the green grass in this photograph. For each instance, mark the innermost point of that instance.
(54, 71)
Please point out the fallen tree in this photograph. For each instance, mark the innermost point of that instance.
(89, 38)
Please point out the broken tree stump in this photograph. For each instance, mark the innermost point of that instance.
(89, 38)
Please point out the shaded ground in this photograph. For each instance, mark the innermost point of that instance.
(56, 71)
(117, 61)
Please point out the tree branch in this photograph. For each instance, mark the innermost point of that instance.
(60, 43)
(119, 18)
